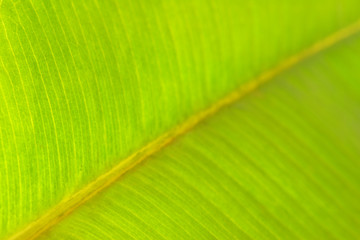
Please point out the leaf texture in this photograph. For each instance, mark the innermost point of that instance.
(283, 163)
(85, 84)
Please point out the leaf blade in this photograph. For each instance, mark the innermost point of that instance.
(269, 165)
(52, 68)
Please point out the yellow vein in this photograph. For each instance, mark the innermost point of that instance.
(68, 205)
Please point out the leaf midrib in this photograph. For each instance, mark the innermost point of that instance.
(70, 204)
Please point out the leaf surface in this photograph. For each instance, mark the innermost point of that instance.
(85, 84)
(282, 163)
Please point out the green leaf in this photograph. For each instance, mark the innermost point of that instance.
(182, 97)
